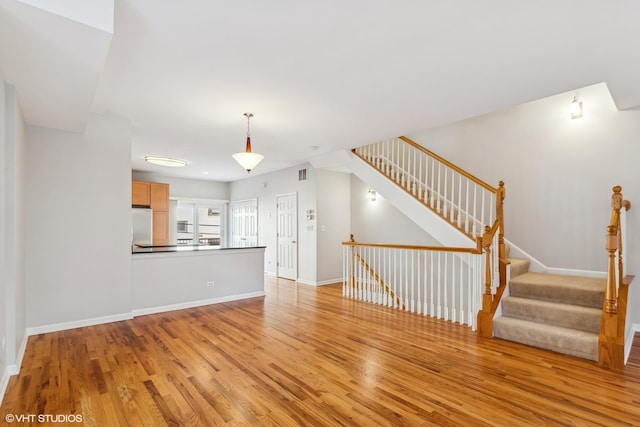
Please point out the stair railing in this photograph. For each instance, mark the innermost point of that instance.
(462, 199)
(611, 348)
(445, 283)
(469, 204)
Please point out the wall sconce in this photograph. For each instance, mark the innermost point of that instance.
(575, 109)
(371, 194)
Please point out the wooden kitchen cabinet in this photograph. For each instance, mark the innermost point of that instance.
(160, 206)
(140, 193)
(159, 195)
(156, 196)
(160, 228)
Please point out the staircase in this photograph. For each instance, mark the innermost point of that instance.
(555, 312)
(579, 316)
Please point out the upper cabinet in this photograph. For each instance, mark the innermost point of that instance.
(159, 195)
(140, 193)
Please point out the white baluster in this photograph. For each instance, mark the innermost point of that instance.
(482, 223)
(438, 188)
(475, 210)
(413, 282)
(460, 204)
(452, 202)
(420, 183)
(345, 278)
(466, 206)
(391, 273)
(432, 306)
(395, 277)
(445, 286)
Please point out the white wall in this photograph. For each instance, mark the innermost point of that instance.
(78, 211)
(380, 221)
(179, 279)
(12, 226)
(265, 188)
(5, 327)
(333, 223)
(558, 174)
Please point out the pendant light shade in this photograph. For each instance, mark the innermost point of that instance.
(248, 159)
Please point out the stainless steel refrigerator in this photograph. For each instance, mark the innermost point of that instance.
(141, 226)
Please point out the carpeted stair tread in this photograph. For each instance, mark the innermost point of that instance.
(584, 291)
(553, 313)
(555, 338)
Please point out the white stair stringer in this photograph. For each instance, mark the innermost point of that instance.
(441, 230)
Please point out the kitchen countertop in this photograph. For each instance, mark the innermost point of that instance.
(145, 249)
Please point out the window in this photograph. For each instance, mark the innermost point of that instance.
(199, 223)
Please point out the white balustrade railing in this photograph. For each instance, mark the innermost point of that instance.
(464, 200)
(446, 283)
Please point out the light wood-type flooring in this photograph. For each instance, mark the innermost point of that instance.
(306, 356)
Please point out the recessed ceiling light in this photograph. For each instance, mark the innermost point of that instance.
(166, 161)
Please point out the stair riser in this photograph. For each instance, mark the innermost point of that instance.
(585, 298)
(583, 319)
(519, 266)
(584, 346)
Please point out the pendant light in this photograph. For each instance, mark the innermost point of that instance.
(247, 159)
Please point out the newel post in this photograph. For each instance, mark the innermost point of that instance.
(617, 203)
(500, 195)
(485, 317)
(610, 292)
(352, 270)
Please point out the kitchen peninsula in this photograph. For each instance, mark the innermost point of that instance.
(178, 276)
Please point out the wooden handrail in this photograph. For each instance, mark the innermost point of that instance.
(449, 164)
(413, 247)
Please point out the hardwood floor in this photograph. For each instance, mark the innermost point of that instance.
(306, 356)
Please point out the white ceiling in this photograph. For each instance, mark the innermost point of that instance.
(328, 74)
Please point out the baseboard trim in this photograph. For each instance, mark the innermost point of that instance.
(321, 283)
(539, 267)
(581, 273)
(78, 324)
(12, 370)
(517, 252)
(628, 340)
(4, 382)
(198, 303)
(133, 313)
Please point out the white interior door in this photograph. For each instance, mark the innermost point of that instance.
(244, 223)
(287, 214)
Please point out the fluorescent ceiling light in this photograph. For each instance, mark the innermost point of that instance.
(166, 161)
